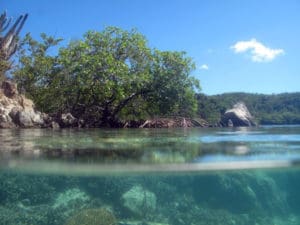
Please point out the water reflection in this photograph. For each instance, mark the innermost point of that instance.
(148, 146)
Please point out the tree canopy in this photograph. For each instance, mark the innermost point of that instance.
(107, 77)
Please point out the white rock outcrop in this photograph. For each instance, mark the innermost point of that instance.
(238, 116)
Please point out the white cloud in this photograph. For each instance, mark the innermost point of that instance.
(258, 51)
(204, 67)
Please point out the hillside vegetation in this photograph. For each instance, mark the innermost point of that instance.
(267, 109)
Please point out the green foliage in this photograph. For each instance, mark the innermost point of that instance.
(5, 64)
(107, 77)
(172, 90)
(37, 70)
(267, 109)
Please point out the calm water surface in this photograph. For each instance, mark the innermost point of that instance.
(241, 176)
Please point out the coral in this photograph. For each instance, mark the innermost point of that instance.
(72, 196)
(98, 216)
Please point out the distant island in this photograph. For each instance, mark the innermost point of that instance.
(274, 109)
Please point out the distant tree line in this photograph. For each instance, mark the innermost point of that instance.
(267, 109)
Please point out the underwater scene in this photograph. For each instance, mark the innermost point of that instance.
(238, 176)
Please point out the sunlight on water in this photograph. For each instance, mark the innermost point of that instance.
(250, 138)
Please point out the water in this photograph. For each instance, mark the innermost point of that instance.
(245, 176)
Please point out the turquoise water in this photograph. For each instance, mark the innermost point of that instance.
(242, 176)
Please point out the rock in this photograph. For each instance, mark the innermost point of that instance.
(5, 119)
(7, 125)
(68, 120)
(139, 201)
(173, 122)
(70, 201)
(46, 118)
(16, 110)
(54, 125)
(95, 216)
(36, 118)
(26, 103)
(23, 119)
(139, 222)
(9, 88)
(27, 118)
(230, 123)
(238, 116)
(13, 114)
(242, 192)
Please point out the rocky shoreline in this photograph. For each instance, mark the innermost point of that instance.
(17, 111)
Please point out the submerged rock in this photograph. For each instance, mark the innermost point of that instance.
(100, 216)
(238, 116)
(139, 201)
(70, 197)
(241, 193)
(70, 201)
(138, 222)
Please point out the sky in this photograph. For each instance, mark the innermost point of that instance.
(237, 46)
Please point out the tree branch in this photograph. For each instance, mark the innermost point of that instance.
(125, 101)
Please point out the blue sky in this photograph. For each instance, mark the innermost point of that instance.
(250, 46)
